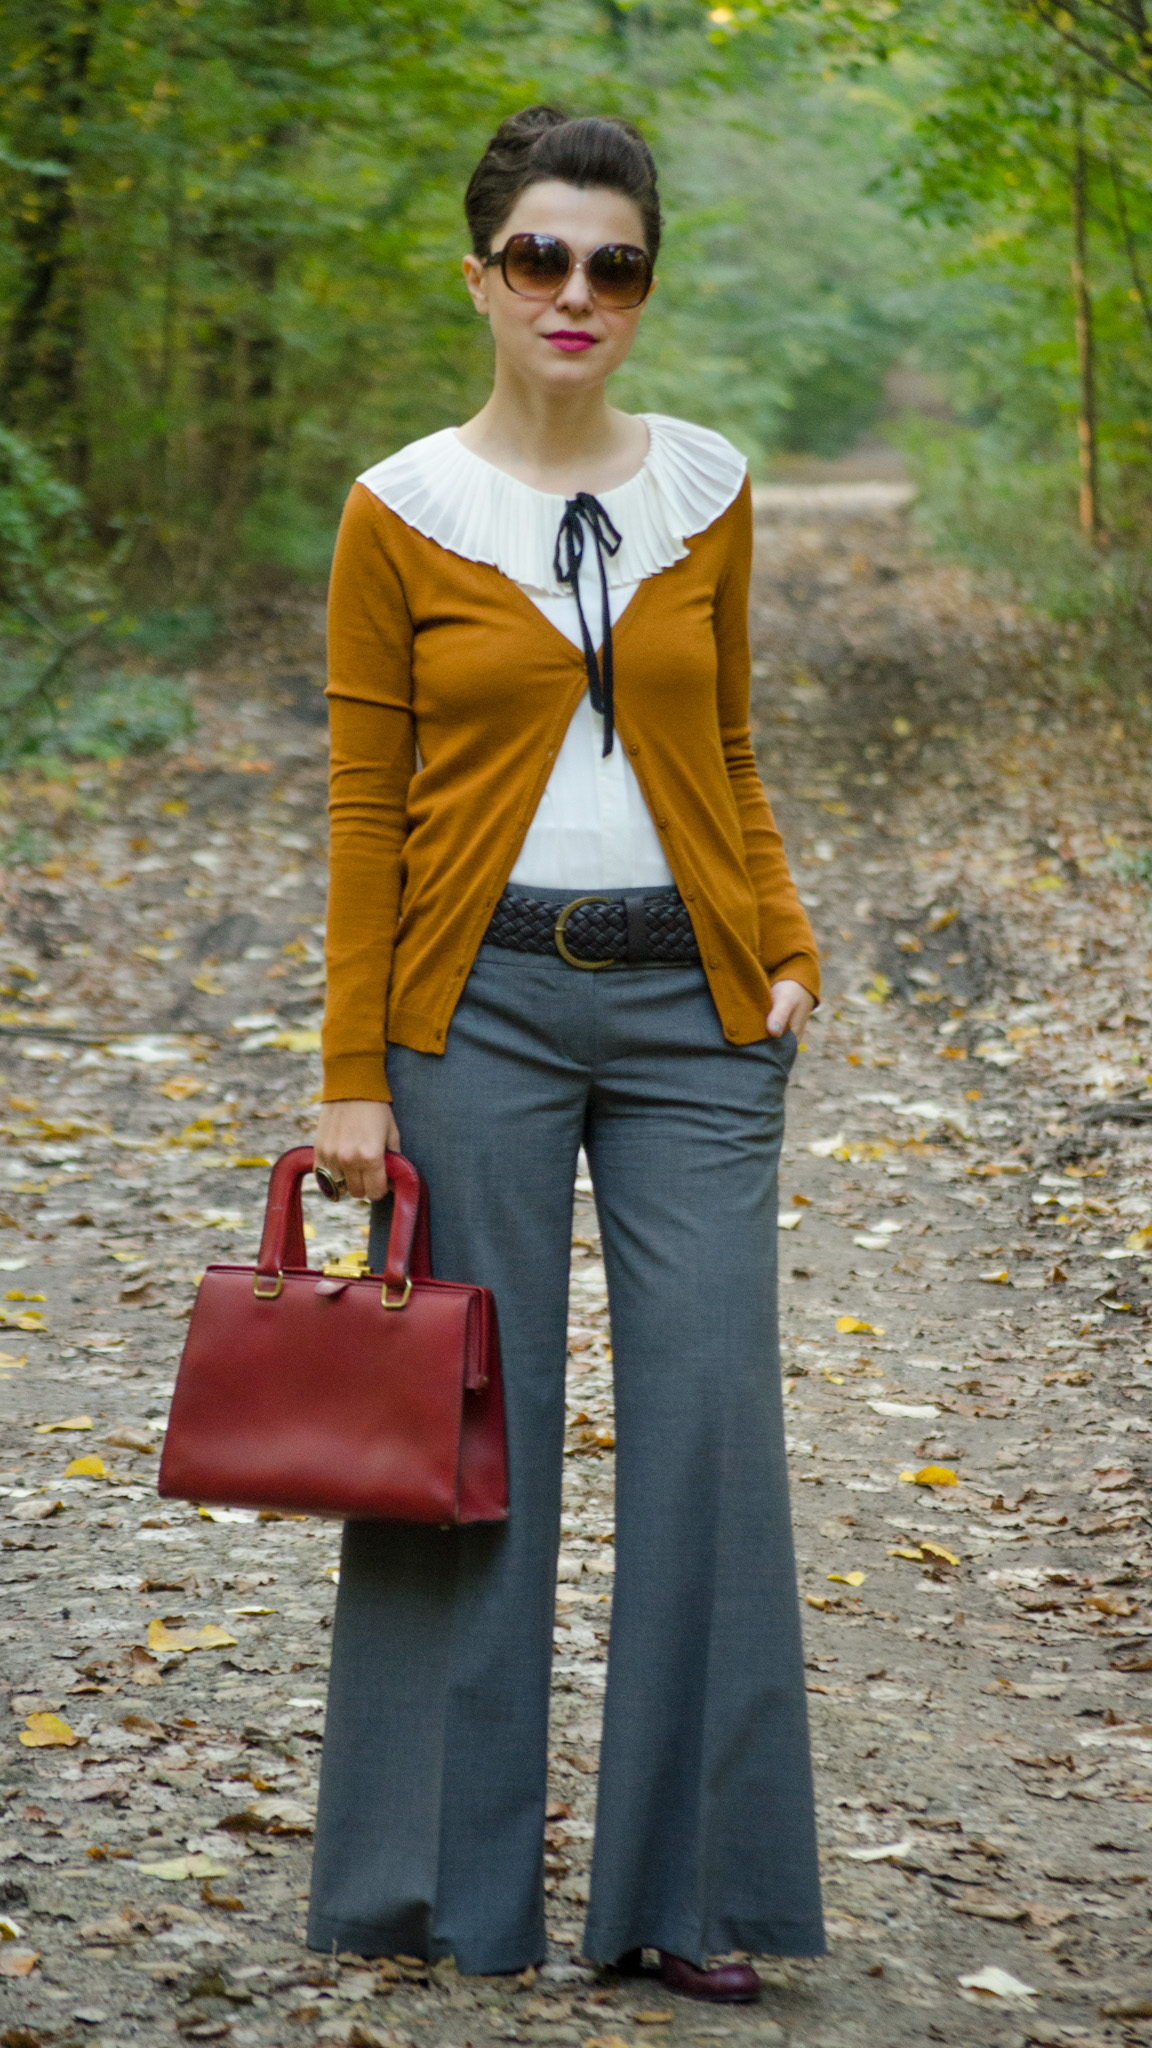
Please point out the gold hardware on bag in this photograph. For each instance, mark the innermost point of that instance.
(403, 1300)
(558, 932)
(266, 1293)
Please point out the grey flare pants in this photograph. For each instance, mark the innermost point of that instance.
(429, 1838)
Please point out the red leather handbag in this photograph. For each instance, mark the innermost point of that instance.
(373, 1399)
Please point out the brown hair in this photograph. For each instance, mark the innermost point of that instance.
(541, 142)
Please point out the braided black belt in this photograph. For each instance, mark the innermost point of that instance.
(629, 929)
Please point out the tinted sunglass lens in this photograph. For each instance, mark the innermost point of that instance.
(619, 274)
(535, 264)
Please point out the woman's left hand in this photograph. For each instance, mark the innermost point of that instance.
(791, 1008)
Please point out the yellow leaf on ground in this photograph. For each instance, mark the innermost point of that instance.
(653, 2018)
(180, 1087)
(913, 1556)
(254, 1160)
(166, 1640)
(931, 1475)
(297, 1041)
(937, 1550)
(91, 1467)
(854, 1326)
(816, 1600)
(995, 1278)
(47, 1731)
(1140, 1240)
(9, 1361)
(847, 1578)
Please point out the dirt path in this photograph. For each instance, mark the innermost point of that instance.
(966, 1212)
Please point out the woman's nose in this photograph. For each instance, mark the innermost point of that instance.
(575, 293)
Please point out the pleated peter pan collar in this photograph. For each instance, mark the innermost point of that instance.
(689, 476)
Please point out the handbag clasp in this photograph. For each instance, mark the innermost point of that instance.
(402, 1300)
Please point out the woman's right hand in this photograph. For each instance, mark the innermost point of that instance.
(351, 1140)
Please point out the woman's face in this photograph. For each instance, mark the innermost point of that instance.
(568, 342)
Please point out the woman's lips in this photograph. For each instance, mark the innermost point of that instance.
(571, 341)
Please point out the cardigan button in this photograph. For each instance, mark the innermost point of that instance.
(633, 750)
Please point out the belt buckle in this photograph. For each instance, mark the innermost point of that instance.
(591, 966)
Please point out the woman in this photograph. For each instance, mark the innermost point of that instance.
(539, 679)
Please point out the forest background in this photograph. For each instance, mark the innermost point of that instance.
(230, 234)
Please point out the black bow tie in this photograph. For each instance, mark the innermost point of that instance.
(586, 511)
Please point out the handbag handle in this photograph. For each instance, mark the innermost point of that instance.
(282, 1243)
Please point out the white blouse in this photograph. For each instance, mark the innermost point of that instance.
(592, 828)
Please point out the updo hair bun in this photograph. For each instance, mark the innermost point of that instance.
(541, 142)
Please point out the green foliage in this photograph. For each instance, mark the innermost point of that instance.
(127, 714)
(39, 524)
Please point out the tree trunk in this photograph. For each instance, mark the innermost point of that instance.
(1085, 340)
(45, 332)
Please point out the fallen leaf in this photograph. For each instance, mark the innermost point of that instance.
(1134, 2005)
(925, 1409)
(47, 1731)
(819, 1602)
(848, 1326)
(224, 1902)
(175, 1869)
(993, 1982)
(40, 1510)
(18, 1962)
(847, 1578)
(987, 1906)
(655, 2017)
(126, 1439)
(995, 1279)
(931, 1475)
(825, 1147)
(9, 1361)
(143, 1669)
(167, 1641)
(937, 1550)
(73, 1423)
(791, 1222)
(270, 1816)
(883, 1852)
(90, 1467)
(9, 1931)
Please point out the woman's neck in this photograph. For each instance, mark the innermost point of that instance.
(557, 441)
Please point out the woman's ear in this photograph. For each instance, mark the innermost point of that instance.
(476, 279)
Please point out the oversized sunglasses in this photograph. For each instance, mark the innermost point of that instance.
(539, 266)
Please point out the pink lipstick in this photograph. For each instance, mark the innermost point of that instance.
(572, 341)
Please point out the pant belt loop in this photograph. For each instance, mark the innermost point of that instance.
(636, 921)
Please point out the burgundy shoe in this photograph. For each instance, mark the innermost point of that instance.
(726, 1984)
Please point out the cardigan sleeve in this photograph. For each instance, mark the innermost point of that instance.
(787, 945)
(373, 759)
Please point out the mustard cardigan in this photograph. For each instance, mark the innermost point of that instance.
(449, 696)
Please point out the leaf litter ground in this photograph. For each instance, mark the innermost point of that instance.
(965, 1261)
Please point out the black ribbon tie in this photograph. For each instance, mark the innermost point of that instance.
(586, 511)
